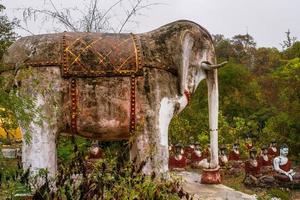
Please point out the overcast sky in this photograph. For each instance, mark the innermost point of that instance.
(266, 20)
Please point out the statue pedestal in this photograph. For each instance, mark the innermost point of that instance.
(211, 176)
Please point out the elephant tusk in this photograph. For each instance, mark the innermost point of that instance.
(208, 66)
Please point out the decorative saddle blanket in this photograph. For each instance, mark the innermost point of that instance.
(95, 54)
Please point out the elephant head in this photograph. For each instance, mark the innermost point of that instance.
(186, 50)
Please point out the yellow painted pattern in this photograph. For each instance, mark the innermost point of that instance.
(72, 56)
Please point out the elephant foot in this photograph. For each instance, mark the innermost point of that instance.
(211, 176)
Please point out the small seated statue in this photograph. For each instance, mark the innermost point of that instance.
(265, 160)
(223, 159)
(272, 151)
(178, 162)
(234, 160)
(206, 153)
(252, 168)
(95, 153)
(188, 150)
(282, 165)
(197, 158)
(248, 143)
(253, 175)
(234, 154)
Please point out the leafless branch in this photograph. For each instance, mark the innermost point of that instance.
(24, 29)
(130, 14)
(109, 9)
(134, 11)
(90, 18)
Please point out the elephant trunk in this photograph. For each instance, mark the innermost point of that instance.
(213, 107)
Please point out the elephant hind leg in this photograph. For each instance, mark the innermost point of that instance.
(40, 151)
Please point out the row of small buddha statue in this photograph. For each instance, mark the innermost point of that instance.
(264, 169)
(181, 157)
(268, 167)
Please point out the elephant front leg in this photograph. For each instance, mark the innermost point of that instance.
(212, 175)
(152, 145)
(40, 152)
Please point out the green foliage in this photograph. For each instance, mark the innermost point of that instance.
(7, 36)
(266, 60)
(10, 179)
(276, 193)
(192, 121)
(284, 123)
(243, 47)
(293, 51)
(180, 130)
(239, 91)
(14, 110)
(65, 147)
(113, 177)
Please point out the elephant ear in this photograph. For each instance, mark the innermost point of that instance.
(187, 42)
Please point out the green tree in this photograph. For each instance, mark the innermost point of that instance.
(14, 111)
(266, 60)
(284, 122)
(7, 35)
(240, 94)
(292, 52)
(193, 120)
(223, 48)
(244, 49)
(289, 41)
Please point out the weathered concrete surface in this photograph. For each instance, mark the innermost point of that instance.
(200, 191)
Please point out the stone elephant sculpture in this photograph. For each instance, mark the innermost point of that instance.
(114, 86)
